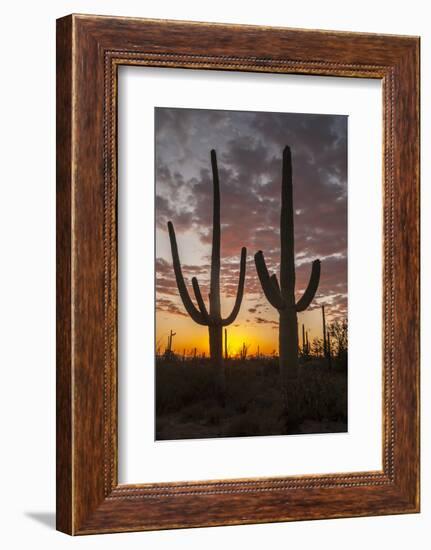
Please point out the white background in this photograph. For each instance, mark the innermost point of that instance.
(27, 217)
(141, 458)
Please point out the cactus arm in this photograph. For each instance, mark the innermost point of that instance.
(275, 282)
(310, 291)
(272, 294)
(199, 299)
(240, 291)
(191, 309)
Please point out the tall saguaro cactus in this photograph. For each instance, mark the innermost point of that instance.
(212, 318)
(282, 296)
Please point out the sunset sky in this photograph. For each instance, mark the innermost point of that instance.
(249, 147)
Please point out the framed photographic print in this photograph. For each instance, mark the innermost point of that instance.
(237, 274)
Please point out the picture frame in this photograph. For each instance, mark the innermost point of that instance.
(89, 51)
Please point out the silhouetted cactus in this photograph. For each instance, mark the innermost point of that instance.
(212, 318)
(326, 342)
(282, 296)
(305, 346)
(243, 351)
(169, 354)
(325, 345)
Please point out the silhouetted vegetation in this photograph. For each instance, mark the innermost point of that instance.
(187, 406)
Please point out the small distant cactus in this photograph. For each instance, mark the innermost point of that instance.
(304, 345)
(282, 296)
(325, 345)
(169, 354)
(305, 348)
(326, 340)
(243, 351)
(212, 318)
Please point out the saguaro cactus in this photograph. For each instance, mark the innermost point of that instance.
(212, 318)
(243, 351)
(325, 345)
(168, 352)
(282, 296)
(304, 342)
(326, 341)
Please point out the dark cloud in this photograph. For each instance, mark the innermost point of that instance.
(263, 321)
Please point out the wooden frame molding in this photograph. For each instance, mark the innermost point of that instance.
(89, 51)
